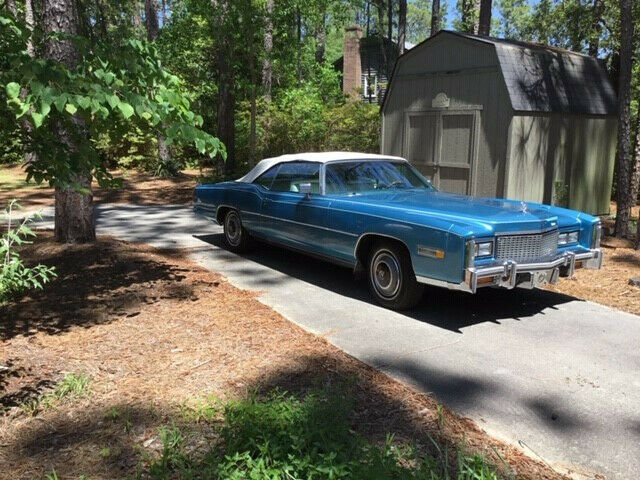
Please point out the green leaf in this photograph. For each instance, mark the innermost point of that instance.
(13, 90)
(70, 108)
(200, 145)
(126, 109)
(113, 101)
(23, 108)
(45, 108)
(60, 102)
(83, 102)
(37, 119)
(95, 106)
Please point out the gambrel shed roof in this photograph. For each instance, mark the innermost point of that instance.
(540, 78)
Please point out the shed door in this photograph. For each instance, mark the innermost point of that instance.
(441, 145)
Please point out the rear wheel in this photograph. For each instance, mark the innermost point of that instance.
(235, 236)
(391, 278)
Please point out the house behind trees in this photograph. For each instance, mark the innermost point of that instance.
(366, 64)
(493, 117)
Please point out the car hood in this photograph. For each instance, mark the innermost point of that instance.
(476, 215)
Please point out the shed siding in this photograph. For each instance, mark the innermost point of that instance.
(520, 155)
(542, 148)
(484, 89)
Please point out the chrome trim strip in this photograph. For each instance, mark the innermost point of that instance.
(299, 223)
(462, 286)
(355, 249)
(526, 232)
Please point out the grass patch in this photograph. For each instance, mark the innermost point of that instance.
(14, 179)
(72, 386)
(285, 437)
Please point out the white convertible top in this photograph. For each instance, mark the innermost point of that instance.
(321, 157)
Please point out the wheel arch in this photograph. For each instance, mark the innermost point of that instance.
(222, 211)
(365, 244)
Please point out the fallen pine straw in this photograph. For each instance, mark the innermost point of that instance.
(153, 330)
(609, 286)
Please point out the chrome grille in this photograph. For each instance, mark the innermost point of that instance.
(526, 247)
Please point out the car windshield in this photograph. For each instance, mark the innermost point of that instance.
(369, 176)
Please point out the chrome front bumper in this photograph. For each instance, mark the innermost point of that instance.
(511, 274)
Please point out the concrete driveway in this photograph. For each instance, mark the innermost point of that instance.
(558, 376)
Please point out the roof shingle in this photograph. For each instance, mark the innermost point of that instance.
(540, 78)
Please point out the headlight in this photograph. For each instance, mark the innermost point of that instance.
(596, 235)
(484, 249)
(568, 238)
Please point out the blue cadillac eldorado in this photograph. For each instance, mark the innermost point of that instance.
(378, 215)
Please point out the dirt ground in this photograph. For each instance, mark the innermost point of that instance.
(139, 188)
(609, 286)
(153, 330)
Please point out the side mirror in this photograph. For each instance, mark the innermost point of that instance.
(305, 188)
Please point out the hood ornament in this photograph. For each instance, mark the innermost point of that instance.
(523, 207)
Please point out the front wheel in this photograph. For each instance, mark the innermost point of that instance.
(235, 236)
(391, 278)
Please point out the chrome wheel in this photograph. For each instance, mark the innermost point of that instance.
(385, 274)
(233, 229)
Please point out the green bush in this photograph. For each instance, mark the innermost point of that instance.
(302, 120)
(15, 277)
(354, 127)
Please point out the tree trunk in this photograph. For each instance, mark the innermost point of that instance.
(390, 20)
(321, 40)
(151, 22)
(623, 154)
(137, 15)
(252, 73)
(385, 67)
(435, 17)
(474, 17)
(267, 71)
(484, 24)
(151, 19)
(635, 170)
(74, 221)
(467, 16)
(27, 128)
(11, 6)
(102, 21)
(636, 184)
(226, 97)
(299, 45)
(402, 25)
(596, 27)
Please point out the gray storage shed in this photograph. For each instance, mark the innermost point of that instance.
(504, 118)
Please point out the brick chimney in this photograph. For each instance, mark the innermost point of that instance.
(351, 67)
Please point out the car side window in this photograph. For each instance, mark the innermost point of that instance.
(266, 179)
(292, 174)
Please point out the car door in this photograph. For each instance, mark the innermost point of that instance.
(291, 217)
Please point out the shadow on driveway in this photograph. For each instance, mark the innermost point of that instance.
(439, 307)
